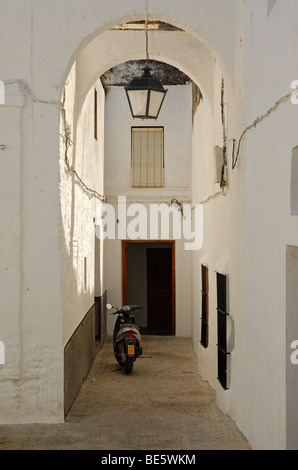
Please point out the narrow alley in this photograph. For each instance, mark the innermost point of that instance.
(162, 405)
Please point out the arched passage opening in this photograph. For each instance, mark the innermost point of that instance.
(95, 164)
(67, 46)
(48, 211)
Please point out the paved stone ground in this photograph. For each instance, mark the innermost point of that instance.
(162, 405)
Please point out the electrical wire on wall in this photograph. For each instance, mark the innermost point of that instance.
(30, 92)
(66, 134)
(259, 119)
(224, 165)
(67, 144)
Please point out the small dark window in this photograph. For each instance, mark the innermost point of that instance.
(205, 307)
(95, 114)
(85, 274)
(222, 353)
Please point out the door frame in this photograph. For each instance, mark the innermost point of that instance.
(124, 273)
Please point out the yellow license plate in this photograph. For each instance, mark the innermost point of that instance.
(131, 350)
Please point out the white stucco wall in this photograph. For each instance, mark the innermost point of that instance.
(224, 241)
(40, 42)
(78, 206)
(266, 157)
(246, 231)
(177, 137)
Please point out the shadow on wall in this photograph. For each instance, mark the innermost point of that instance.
(86, 340)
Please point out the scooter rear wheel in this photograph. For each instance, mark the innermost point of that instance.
(128, 365)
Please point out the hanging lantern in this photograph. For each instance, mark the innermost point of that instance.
(145, 96)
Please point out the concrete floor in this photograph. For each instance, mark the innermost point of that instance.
(162, 405)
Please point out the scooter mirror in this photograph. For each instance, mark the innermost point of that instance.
(109, 306)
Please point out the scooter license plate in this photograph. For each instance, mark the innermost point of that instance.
(131, 349)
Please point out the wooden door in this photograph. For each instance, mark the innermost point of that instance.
(159, 288)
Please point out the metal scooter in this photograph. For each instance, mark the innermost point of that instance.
(126, 336)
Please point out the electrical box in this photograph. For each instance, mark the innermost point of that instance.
(218, 163)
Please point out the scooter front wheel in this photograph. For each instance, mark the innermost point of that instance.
(128, 364)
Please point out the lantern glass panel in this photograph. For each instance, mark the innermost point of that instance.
(138, 101)
(156, 99)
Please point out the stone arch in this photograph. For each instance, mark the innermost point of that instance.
(195, 52)
(75, 28)
(103, 48)
(189, 52)
(54, 35)
(160, 50)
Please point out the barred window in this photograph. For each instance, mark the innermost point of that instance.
(222, 353)
(205, 307)
(147, 160)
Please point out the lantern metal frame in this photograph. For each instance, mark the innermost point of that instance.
(149, 85)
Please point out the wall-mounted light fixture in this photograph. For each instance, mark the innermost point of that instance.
(145, 94)
(177, 204)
